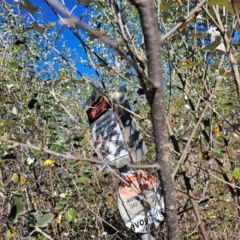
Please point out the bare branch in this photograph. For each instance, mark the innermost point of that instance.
(184, 20)
(69, 156)
(72, 20)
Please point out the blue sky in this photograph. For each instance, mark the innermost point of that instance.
(72, 41)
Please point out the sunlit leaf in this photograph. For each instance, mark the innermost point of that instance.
(15, 177)
(236, 173)
(9, 235)
(5, 135)
(51, 24)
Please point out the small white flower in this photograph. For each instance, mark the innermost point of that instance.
(30, 160)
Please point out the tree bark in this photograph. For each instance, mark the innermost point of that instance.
(152, 40)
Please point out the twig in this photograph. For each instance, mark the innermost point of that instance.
(183, 21)
(66, 156)
(196, 127)
(72, 20)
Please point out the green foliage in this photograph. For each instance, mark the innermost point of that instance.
(15, 177)
(9, 235)
(71, 215)
(43, 99)
(236, 173)
(44, 218)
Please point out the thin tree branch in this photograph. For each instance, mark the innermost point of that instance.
(233, 62)
(184, 20)
(72, 20)
(28, 145)
(196, 127)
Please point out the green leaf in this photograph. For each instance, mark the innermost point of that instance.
(29, 238)
(9, 235)
(82, 180)
(15, 177)
(27, 5)
(71, 215)
(44, 218)
(21, 208)
(236, 173)
(217, 150)
(35, 152)
(17, 198)
(90, 192)
(59, 205)
(15, 65)
(51, 24)
(38, 28)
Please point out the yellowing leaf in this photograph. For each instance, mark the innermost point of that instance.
(164, 6)
(217, 131)
(48, 162)
(5, 135)
(189, 63)
(68, 194)
(23, 181)
(33, 201)
(59, 218)
(183, 64)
